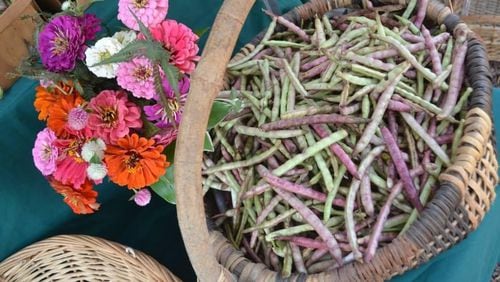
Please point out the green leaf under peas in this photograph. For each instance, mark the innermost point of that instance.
(219, 111)
(208, 145)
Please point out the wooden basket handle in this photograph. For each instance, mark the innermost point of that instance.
(206, 82)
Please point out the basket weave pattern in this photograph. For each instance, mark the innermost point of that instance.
(488, 28)
(82, 258)
(458, 206)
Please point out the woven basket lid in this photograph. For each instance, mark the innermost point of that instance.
(82, 258)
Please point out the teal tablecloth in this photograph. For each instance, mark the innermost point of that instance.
(31, 211)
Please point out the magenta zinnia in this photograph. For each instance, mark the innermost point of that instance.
(60, 43)
(157, 112)
(90, 25)
(112, 115)
(149, 12)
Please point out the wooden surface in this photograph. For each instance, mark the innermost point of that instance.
(15, 35)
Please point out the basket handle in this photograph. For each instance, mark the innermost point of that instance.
(206, 82)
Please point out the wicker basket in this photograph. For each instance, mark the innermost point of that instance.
(82, 258)
(481, 7)
(488, 29)
(466, 187)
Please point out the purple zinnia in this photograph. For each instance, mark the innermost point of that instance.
(157, 114)
(91, 25)
(61, 43)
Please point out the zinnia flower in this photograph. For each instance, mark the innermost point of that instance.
(45, 152)
(125, 37)
(135, 162)
(71, 167)
(166, 136)
(93, 148)
(180, 41)
(142, 197)
(96, 172)
(157, 113)
(137, 77)
(83, 201)
(112, 115)
(71, 171)
(90, 25)
(61, 42)
(103, 49)
(46, 98)
(59, 113)
(77, 118)
(149, 12)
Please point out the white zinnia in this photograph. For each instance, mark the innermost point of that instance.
(125, 37)
(103, 49)
(96, 171)
(67, 5)
(94, 147)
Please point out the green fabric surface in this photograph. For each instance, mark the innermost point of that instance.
(32, 211)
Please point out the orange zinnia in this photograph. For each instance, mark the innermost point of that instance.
(45, 99)
(135, 162)
(58, 113)
(81, 201)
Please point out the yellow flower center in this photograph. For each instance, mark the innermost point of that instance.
(73, 149)
(109, 116)
(132, 162)
(104, 55)
(173, 105)
(60, 45)
(140, 3)
(143, 73)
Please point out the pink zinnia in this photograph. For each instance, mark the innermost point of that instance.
(142, 197)
(136, 76)
(112, 116)
(71, 167)
(166, 136)
(149, 12)
(71, 171)
(45, 152)
(77, 118)
(180, 41)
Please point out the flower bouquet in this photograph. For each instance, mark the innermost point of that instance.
(112, 102)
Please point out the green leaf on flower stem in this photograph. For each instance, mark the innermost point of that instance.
(80, 8)
(172, 74)
(127, 53)
(161, 92)
(165, 186)
(200, 32)
(219, 111)
(149, 128)
(95, 160)
(170, 152)
(144, 30)
(208, 145)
